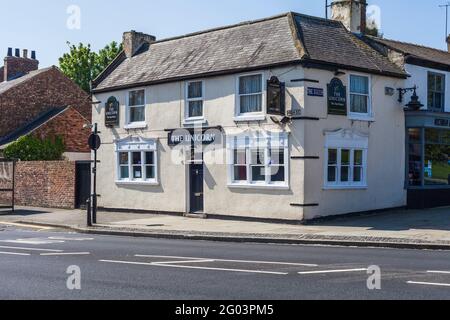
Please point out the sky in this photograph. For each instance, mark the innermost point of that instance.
(47, 25)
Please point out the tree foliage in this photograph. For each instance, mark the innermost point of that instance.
(30, 148)
(82, 64)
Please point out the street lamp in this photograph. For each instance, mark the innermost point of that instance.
(414, 104)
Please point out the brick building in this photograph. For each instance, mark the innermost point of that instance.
(43, 102)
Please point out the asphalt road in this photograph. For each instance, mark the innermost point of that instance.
(33, 265)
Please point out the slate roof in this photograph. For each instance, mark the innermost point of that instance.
(33, 125)
(6, 85)
(280, 40)
(415, 50)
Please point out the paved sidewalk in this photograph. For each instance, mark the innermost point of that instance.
(425, 229)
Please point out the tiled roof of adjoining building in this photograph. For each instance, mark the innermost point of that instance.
(285, 39)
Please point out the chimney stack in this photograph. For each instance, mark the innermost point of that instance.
(17, 66)
(133, 40)
(352, 13)
(448, 43)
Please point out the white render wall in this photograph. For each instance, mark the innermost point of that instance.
(419, 77)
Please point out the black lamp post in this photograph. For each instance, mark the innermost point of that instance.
(414, 104)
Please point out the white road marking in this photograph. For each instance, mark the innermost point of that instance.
(184, 262)
(439, 272)
(33, 241)
(191, 267)
(15, 253)
(240, 261)
(332, 271)
(31, 249)
(26, 225)
(70, 239)
(430, 284)
(66, 254)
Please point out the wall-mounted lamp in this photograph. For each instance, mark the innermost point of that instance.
(414, 104)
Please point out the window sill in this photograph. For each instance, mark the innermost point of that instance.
(194, 121)
(142, 183)
(361, 187)
(361, 117)
(258, 186)
(246, 118)
(136, 125)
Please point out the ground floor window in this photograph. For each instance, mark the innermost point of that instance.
(345, 159)
(429, 157)
(136, 161)
(258, 160)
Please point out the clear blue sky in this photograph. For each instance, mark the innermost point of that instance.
(41, 25)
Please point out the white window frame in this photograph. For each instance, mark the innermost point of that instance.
(192, 120)
(356, 115)
(250, 143)
(130, 145)
(444, 77)
(250, 116)
(346, 140)
(138, 124)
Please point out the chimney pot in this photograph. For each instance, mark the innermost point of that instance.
(9, 52)
(17, 53)
(25, 53)
(33, 55)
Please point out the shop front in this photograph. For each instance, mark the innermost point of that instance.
(428, 159)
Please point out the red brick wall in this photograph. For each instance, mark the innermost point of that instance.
(23, 103)
(17, 65)
(48, 184)
(69, 126)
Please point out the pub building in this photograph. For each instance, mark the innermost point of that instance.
(287, 118)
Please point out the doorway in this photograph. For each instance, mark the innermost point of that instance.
(82, 184)
(196, 198)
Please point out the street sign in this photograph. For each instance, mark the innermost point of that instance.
(94, 142)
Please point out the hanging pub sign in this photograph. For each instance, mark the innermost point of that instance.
(276, 97)
(112, 112)
(205, 136)
(337, 97)
(315, 92)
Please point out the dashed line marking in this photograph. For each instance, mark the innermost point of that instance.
(31, 249)
(439, 272)
(332, 271)
(66, 254)
(15, 253)
(429, 284)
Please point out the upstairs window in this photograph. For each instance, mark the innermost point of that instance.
(436, 92)
(359, 95)
(250, 94)
(136, 106)
(194, 100)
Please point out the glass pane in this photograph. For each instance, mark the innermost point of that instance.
(439, 83)
(240, 156)
(124, 172)
(332, 156)
(415, 135)
(137, 114)
(195, 109)
(137, 158)
(149, 158)
(345, 157)
(258, 156)
(331, 174)
(137, 98)
(277, 173)
(277, 156)
(415, 165)
(240, 173)
(357, 174)
(195, 90)
(359, 84)
(137, 172)
(431, 82)
(258, 173)
(437, 164)
(123, 158)
(358, 104)
(344, 174)
(250, 84)
(432, 135)
(251, 103)
(358, 158)
(150, 172)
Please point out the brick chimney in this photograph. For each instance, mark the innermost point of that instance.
(133, 40)
(17, 66)
(448, 43)
(352, 13)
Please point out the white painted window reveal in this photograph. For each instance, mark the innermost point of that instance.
(135, 113)
(360, 96)
(195, 97)
(250, 97)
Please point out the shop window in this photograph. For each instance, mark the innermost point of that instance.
(137, 161)
(437, 157)
(436, 91)
(360, 95)
(345, 160)
(415, 156)
(258, 160)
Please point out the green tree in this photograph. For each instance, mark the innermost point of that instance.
(82, 64)
(30, 148)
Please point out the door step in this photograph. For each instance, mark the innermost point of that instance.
(196, 215)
